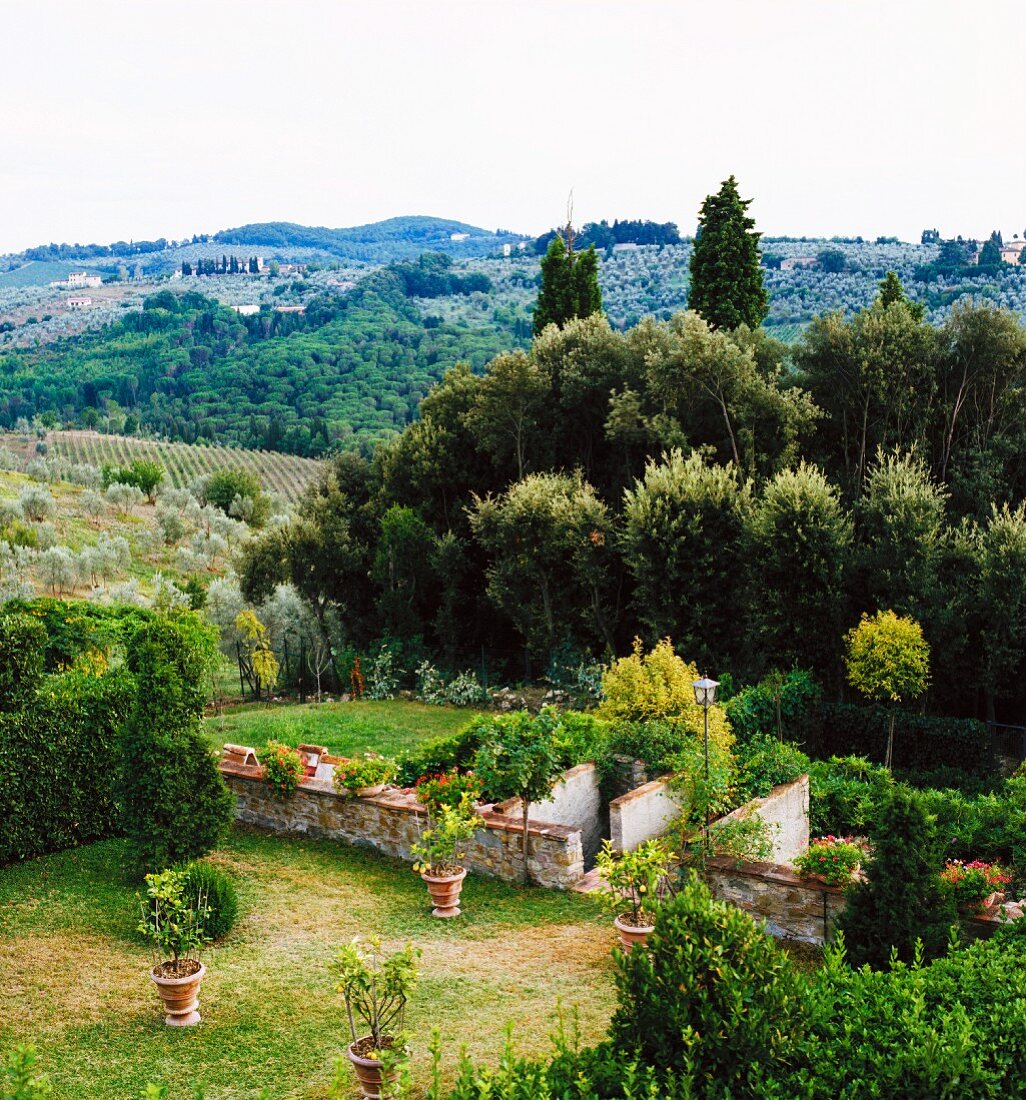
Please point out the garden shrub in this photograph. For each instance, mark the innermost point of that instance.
(22, 640)
(921, 742)
(59, 762)
(845, 795)
(902, 899)
(205, 881)
(764, 762)
(283, 769)
(713, 997)
(657, 743)
(780, 705)
(176, 804)
(442, 754)
(658, 685)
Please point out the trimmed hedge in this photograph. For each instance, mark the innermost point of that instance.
(59, 763)
(921, 742)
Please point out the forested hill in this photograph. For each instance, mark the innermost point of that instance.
(380, 242)
(352, 367)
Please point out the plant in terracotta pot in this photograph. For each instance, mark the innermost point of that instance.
(438, 855)
(976, 885)
(638, 881)
(283, 769)
(174, 921)
(376, 987)
(364, 775)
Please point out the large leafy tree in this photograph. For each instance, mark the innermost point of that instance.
(681, 539)
(547, 544)
(569, 284)
(799, 546)
(726, 278)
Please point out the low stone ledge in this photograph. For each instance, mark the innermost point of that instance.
(391, 823)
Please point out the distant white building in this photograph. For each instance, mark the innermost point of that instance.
(79, 303)
(83, 278)
(1011, 251)
(507, 249)
(247, 309)
(459, 236)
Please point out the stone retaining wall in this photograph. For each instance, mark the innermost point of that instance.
(392, 821)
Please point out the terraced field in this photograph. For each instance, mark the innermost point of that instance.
(288, 475)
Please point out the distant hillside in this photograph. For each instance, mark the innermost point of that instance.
(380, 242)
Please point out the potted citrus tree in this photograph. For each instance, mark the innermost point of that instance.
(365, 775)
(637, 883)
(452, 818)
(174, 921)
(376, 987)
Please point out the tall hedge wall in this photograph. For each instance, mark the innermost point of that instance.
(59, 764)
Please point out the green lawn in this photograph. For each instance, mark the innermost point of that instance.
(75, 974)
(390, 727)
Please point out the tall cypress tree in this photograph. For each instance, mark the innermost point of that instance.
(569, 287)
(726, 279)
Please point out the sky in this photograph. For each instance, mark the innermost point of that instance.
(140, 119)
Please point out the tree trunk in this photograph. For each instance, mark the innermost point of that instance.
(890, 743)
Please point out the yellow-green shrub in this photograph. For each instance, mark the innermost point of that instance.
(658, 684)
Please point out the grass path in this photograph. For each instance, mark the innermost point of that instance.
(75, 973)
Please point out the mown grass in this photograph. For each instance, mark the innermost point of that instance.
(75, 973)
(390, 727)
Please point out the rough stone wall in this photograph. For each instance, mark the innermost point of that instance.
(391, 823)
(576, 801)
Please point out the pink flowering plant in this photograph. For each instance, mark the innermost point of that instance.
(835, 859)
(283, 769)
(972, 883)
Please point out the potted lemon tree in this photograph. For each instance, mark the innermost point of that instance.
(175, 923)
(637, 883)
(451, 820)
(376, 987)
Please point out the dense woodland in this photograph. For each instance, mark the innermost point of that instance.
(676, 479)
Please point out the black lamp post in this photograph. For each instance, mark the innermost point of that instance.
(705, 696)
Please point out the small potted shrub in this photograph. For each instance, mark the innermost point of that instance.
(836, 860)
(637, 881)
(283, 769)
(364, 775)
(376, 988)
(438, 855)
(176, 925)
(976, 885)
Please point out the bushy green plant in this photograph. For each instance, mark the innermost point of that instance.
(174, 921)
(638, 881)
(443, 753)
(430, 684)
(18, 1077)
(283, 769)
(381, 674)
(902, 900)
(784, 705)
(206, 884)
(834, 858)
(376, 987)
(22, 643)
(713, 996)
(845, 795)
(465, 690)
(358, 772)
(447, 789)
(176, 806)
(439, 850)
(764, 762)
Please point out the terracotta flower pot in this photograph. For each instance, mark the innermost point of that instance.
(445, 893)
(180, 997)
(369, 792)
(630, 934)
(375, 1083)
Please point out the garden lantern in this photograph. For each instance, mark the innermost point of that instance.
(705, 696)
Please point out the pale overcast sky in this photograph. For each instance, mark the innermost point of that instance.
(139, 119)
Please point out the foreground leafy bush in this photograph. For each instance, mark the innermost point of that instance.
(176, 805)
(714, 998)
